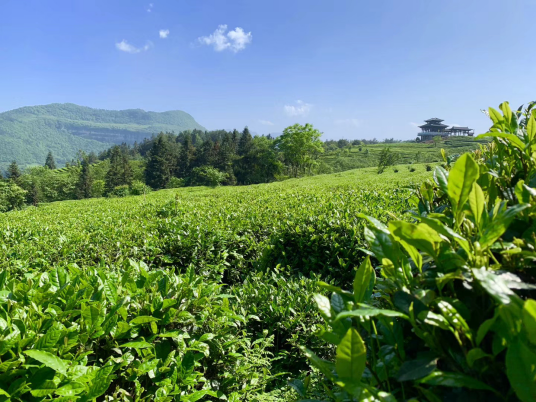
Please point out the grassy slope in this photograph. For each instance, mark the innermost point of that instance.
(407, 151)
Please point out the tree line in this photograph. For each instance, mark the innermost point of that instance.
(167, 160)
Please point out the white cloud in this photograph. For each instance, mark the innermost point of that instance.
(415, 124)
(300, 109)
(150, 8)
(266, 123)
(348, 122)
(164, 33)
(124, 46)
(234, 41)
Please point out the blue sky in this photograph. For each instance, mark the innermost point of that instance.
(353, 68)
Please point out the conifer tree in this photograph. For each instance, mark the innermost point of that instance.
(50, 162)
(246, 142)
(13, 171)
(114, 176)
(85, 180)
(186, 155)
(159, 165)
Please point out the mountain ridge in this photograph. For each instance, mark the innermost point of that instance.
(29, 132)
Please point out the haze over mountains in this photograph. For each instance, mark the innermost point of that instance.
(28, 133)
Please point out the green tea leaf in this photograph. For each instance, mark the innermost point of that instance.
(48, 359)
(351, 357)
(70, 389)
(496, 227)
(418, 368)
(477, 203)
(521, 370)
(143, 319)
(364, 281)
(368, 311)
(461, 178)
(529, 319)
(455, 380)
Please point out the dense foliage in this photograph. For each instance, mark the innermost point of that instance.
(449, 311)
(179, 294)
(28, 133)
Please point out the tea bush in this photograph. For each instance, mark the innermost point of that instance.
(180, 295)
(448, 313)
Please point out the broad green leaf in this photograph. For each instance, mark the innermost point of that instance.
(48, 359)
(531, 128)
(420, 236)
(337, 302)
(455, 380)
(351, 357)
(323, 305)
(143, 319)
(93, 316)
(441, 177)
(477, 203)
(521, 370)
(364, 281)
(147, 366)
(512, 138)
(495, 286)
(368, 311)
(136, 345)
(529, 319)
(495, 115)
(418, 368)
(70, 389)
(475, 354)
(497, 226)
(461, 178)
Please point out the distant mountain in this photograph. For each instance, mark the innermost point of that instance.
(28, 133)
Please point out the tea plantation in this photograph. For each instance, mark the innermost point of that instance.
(186, 294)
(409, 285)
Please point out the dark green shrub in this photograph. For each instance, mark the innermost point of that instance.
(139, 188)
(11, 196)
(449, 311)
(428, 168)
(120, 191)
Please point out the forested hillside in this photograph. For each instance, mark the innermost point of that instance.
(29, 133)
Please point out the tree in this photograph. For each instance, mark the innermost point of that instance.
(50, 162)
(245, 143)
(300, 146)
(159, 164)
(13, 171)
(186, 155)
(120, 172)
(386, 158)
(437, 140)
(85, 181)
(207, 176)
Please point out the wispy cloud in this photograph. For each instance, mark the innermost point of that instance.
(150, 7)
(299, 109)
(266, 122)
(124, 46)
(164, 33)
(415, 125)
(220, 39)
(348, 122)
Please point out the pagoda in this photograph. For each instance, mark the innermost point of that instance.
(434, 127)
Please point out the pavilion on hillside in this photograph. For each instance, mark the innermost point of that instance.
(434, 127)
